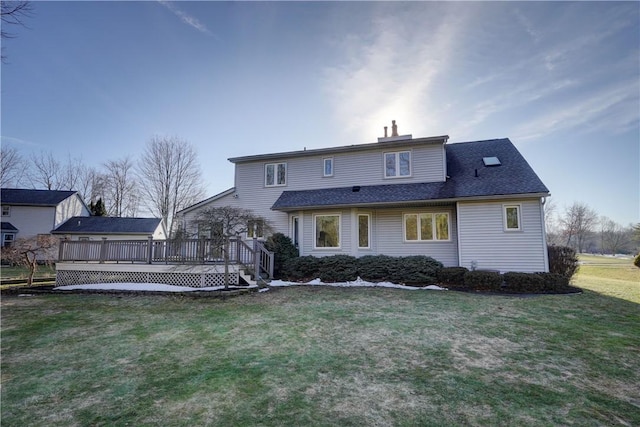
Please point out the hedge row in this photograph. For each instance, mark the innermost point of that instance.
(463, 279)
(410, 270)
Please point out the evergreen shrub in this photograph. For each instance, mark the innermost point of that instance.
(479, 280)
(523, 282)
(563, 260)
(283, 249)
(338, 268)
(451, 277)
(636, 261)
(301, 269)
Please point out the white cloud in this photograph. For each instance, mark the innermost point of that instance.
(391, 70)
(185, 17)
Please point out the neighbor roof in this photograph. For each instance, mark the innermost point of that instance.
(7, 226)
(108, 225)
(513, 177)
(19, 196)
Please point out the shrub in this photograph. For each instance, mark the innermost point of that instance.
(338, 268)
(523, 282)
(562, 260)
(636, 261)
(283, 249)
(376, 268)
(451, 276)
(480, 280)
(553, 281)
(301, 269)
(417, 269)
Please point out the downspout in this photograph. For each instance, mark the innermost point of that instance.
(458, 234)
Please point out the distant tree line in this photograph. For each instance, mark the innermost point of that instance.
(166, 178)
(580, 227)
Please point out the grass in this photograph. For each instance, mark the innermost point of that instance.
(322, 356)
(616, 277)
(17, 272)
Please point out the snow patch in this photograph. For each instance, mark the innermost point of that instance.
(356, 283)
(148, 287)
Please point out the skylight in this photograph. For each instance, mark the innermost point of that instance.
(491, 161)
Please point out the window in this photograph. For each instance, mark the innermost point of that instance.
(209, 230)
(426, 226)
(364, 221)
(295, 230)
(258, 226)
(328, 167)
(397, 164)
(327, 231)
(8, 240)
(6, 211)
(275, 174)
(512, 217)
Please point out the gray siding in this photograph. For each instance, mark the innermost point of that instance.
(482, 237)
(386, 235)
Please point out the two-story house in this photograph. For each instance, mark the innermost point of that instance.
(474, 204)
(28, 213)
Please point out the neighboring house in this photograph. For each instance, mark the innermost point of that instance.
(110, 228)
(474, 204)
(28, 213)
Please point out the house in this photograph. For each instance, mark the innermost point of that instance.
(28, 213)
(474, 204)
(111, 228)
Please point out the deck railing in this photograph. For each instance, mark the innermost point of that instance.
(186, 251)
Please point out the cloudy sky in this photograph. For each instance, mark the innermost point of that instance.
(96, 80)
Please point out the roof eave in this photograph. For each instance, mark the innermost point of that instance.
(412, 203)
(442, 139)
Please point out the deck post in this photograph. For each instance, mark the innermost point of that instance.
(150, 250)
(60, 249)
(256, 257)
(103, 250)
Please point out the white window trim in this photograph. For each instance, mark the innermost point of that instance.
(324, 166)
(315, 241)
(433, 225)
(368, 230)
(275, 174)
(8, 208)
(260, 230)
(504, 216)
(397, 153)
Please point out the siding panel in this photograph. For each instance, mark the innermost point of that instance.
(484, 241)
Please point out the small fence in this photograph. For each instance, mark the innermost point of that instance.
(187, 251)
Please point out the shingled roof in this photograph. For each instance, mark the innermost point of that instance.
(108, 225)
(7, 226)
(25, 197)
(468, 178)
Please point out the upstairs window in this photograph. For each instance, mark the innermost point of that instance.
(327, 166)
(275, 174)
(397, 164)
(426, 226)
(6, 211)
(512, 218)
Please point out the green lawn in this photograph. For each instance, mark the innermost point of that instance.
(321, 356)
(616, 277)
(7, 272)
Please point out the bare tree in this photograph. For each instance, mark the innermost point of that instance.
(170, 177)
(222, 223)
(614, 238)
(91, 184)
(44, 171)
(11, 166)
(12, 13)
(551, 223)
(578, 223)
(121, 188)
(29, 251)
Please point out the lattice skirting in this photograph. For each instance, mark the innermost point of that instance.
(193, 280)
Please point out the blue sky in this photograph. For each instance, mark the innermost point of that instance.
(95, 80)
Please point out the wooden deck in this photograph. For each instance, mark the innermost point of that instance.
(194, 262)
